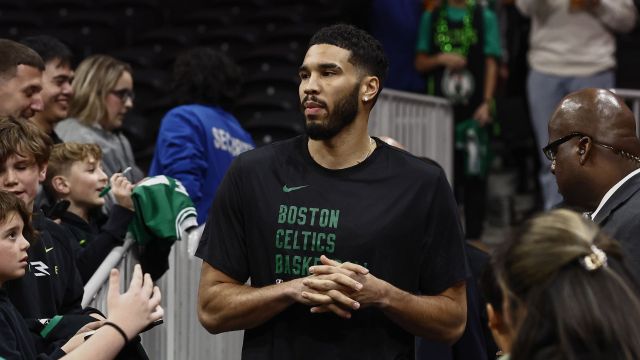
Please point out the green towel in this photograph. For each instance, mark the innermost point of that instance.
(163, 211)
(473, 141)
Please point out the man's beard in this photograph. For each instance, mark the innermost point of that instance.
(343, 114)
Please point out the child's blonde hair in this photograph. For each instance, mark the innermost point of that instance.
(64, 155)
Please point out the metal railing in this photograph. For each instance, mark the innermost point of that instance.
(634, 97)
(422, 124)
(94, 289)
(181, 336)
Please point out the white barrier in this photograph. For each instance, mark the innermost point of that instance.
(180, 336)
(94, 288)
(634, 97)
(422, 124)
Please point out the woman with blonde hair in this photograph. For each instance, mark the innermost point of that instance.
(103, 88)
(566, 291)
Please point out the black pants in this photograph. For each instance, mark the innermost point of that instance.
(471, 192)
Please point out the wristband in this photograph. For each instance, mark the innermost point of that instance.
(119, 329)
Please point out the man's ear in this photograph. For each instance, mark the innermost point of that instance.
(60, 185)
(494, 322)
(42, 174)
(584, 149)
(369, 88)
(499, 329)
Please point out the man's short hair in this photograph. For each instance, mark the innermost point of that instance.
(64, 155)
(21, 137)
(13, 54)
(205, 76)
(49, 48)
(366, 52)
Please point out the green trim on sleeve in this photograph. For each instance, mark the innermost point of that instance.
(424, 33)
(491, 34)
(50, 325)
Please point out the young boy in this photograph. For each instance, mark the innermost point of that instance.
(52, 285)
(15, 338)
(75, 175)
(128, 313)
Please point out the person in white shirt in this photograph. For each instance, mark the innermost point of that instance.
(572, 47)
(594, 154)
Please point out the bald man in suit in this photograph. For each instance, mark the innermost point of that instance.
(595, 157)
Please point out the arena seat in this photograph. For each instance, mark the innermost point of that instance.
(267, 57)
(12, 5)
(15, 25)
(165, 44)
(266, 127)
(234, 7)
(166, 36)
(203, 21)
(89, 32)
(234, 41)
(260, 101)
(137, 57)
(149, 85)
(58, 9)
(134, 16)
(282, 78)
(300, 33)
(273, 19)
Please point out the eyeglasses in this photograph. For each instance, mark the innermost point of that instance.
(124, 94)
(551, 149)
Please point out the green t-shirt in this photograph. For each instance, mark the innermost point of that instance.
(491, 33)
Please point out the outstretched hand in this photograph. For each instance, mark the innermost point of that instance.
(138, 306)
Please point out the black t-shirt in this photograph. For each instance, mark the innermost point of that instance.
(277, 211)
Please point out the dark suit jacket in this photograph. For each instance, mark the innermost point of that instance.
(620, 218)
